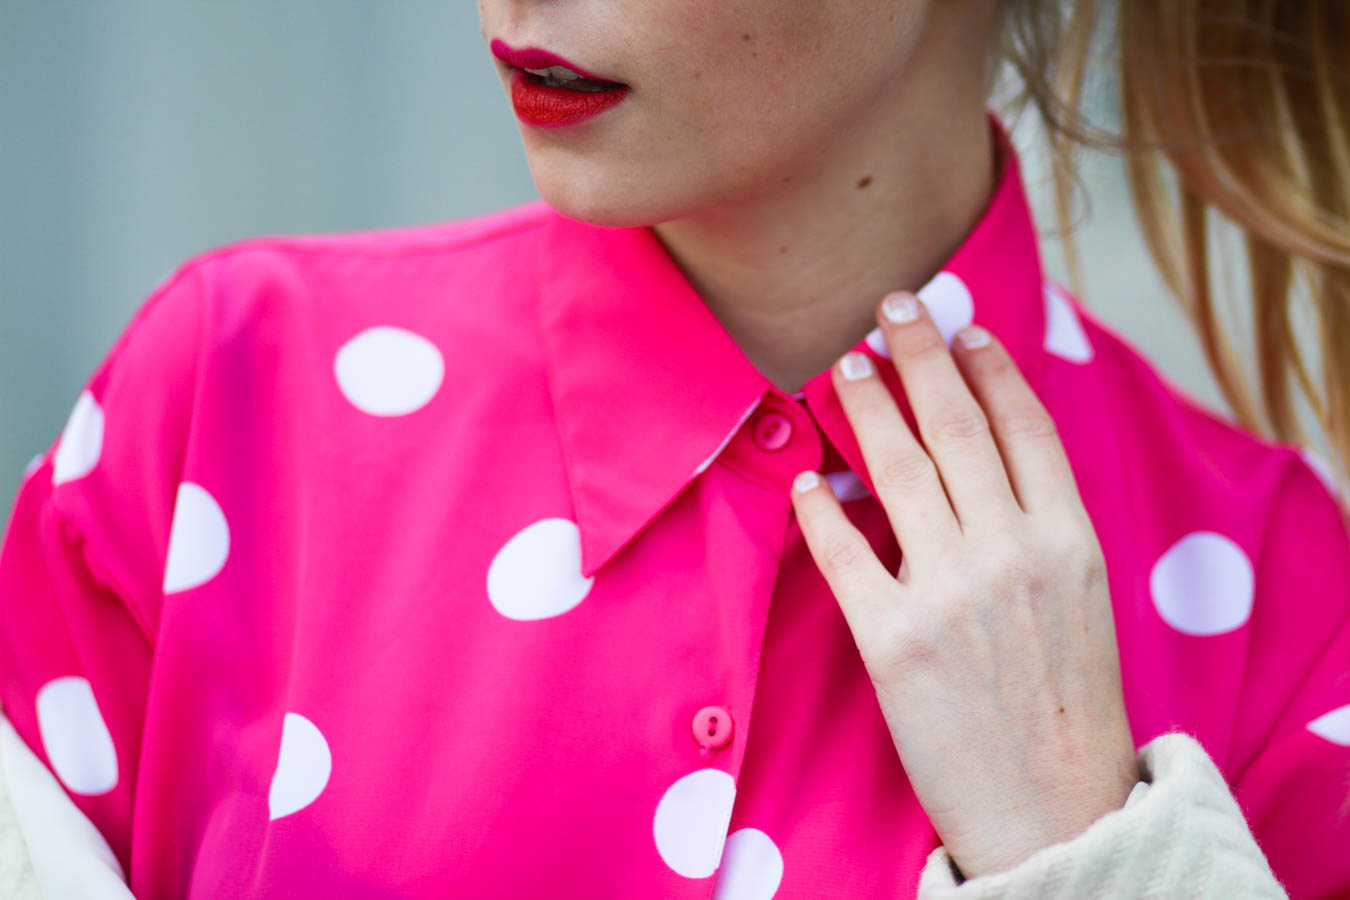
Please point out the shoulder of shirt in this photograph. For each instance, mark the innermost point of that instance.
(436, 237)
(244, 274)
(242, 301)
(1261, 472)
(431, 240)
(228, 293)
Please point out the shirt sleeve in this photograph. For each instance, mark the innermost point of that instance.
(82, 565)
(1295, 787)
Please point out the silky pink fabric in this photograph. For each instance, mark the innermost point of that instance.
(401, 563)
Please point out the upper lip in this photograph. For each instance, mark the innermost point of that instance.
(535, 58)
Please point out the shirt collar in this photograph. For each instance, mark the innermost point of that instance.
(648, 386)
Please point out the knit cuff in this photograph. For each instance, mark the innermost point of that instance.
(17, 881)
(1180, 835)
(54, 849)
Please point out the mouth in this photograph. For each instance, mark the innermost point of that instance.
(541, 67)
(562, 77)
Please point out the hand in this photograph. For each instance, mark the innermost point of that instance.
(993, 649)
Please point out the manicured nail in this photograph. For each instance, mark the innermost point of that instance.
(805, 481)
(972, 336)
(900, 308)
(855, 365)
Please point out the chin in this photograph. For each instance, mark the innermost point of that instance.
(599, 209)
(610, 204)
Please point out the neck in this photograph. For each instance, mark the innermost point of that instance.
(795, 274)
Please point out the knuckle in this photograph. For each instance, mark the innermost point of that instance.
(957, 423)
(1013, 564)
(1027, 422)
(914, 646)
(840, 553)
(904, 471)
(1081, 553)
(1067, 538)
(872, 405)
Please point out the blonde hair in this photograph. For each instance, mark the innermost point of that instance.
(1231, 109)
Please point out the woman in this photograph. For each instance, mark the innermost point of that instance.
(496, 558)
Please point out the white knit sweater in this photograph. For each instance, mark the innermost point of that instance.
(1180, 835)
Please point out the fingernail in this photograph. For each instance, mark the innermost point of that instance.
(972, 336)
(805, 481)
(900, 308)
(855, 365)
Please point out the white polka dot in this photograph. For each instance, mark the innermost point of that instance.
(1334, 726)
(389, 371)
(1321, 469)
(537, 573)
(75, 736)
(877, 341)
(751, 869)
(1203, 585)
(691, 821)
(303, 767)
(846, 485)
(1064, 335)
(949, 305)
(81, 441)
(199, 541)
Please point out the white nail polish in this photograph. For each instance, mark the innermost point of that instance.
(805, 481)
(900, 309)
(855, 365)
(973, 336)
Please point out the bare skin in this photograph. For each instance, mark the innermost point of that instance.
(798, 160)
(993, 648)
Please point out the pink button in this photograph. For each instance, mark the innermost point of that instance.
(772, 431)
(713, 727)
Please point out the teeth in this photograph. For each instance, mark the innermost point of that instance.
(558, 73)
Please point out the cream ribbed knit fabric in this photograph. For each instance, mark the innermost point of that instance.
(1180, 836)
(48, 848)
(17, 881)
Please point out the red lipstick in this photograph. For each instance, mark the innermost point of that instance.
(539, 102)
(534, 58)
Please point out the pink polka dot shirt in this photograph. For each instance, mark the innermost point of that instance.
(460, 560)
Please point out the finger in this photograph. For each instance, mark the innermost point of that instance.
(907, 483)
(953, 427)
(1038, 466)
(858, 580)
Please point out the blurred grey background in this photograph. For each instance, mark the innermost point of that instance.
(136, 133)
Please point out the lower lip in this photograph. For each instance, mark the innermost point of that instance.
(553, 107)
